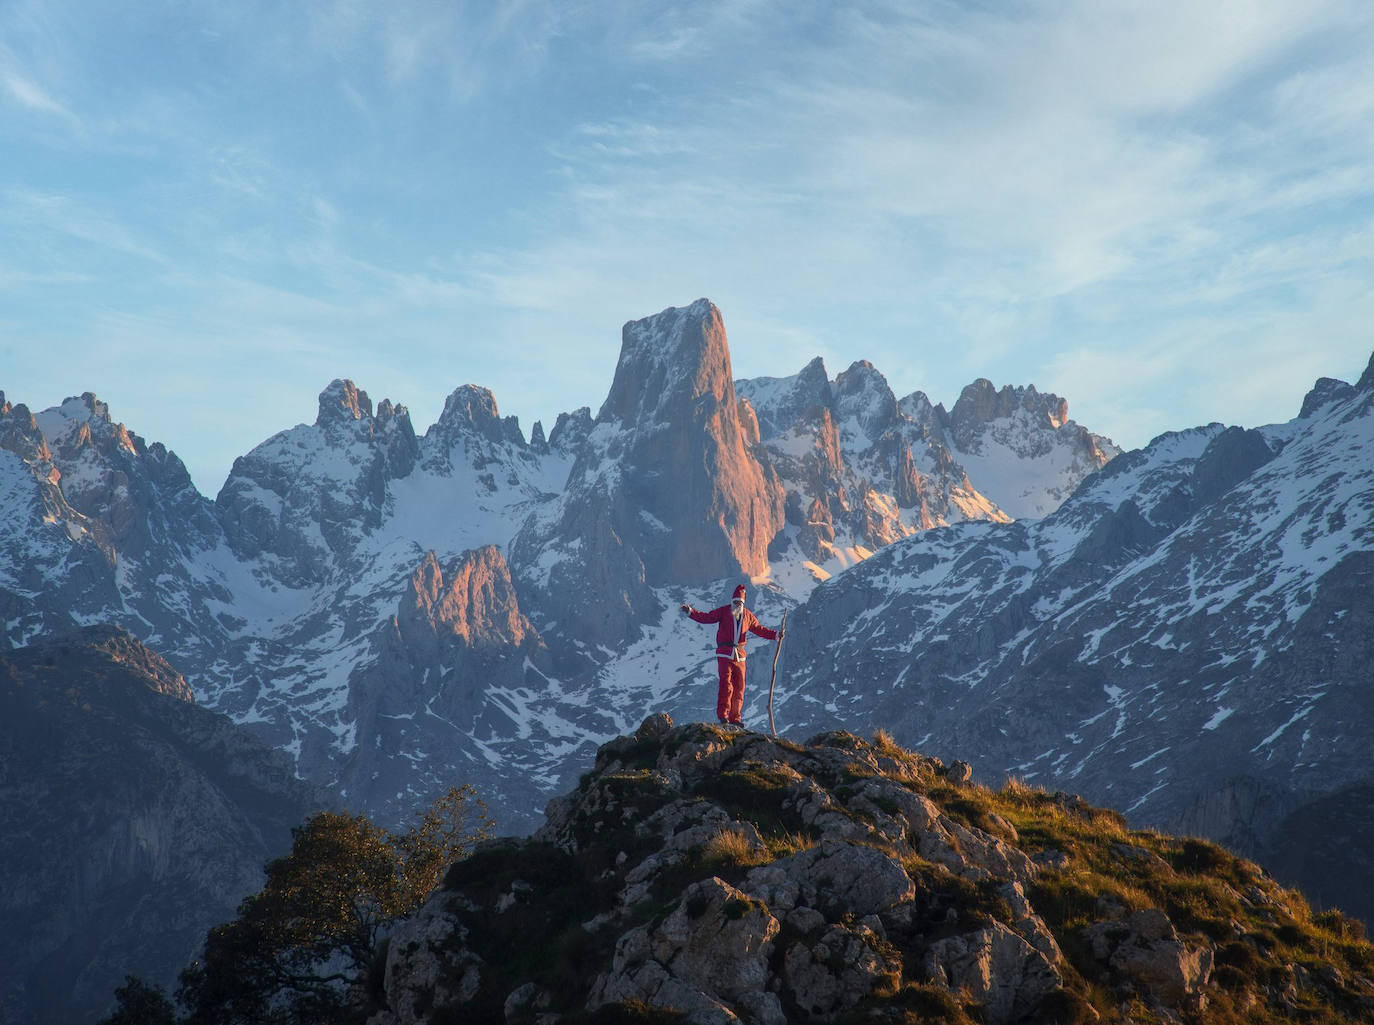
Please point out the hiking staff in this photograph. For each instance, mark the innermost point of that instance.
(777, 650)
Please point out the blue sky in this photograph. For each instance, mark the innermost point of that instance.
(1162, 211)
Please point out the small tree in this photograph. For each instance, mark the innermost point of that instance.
(137, 1003)
(316, 925)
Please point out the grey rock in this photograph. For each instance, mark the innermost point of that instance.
(837, 969)
(1146, 948)
(998, 968)
(707, 958)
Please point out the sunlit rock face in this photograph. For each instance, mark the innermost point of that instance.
(706, 507)
(667, 486)
(875, 469)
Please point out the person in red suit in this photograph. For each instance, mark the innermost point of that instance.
(733, 623)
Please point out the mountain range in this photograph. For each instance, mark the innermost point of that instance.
(1181, 632)
(394, 610)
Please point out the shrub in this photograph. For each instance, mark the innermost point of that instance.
(314, 928)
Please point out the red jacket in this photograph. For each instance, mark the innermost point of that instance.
(730, 636)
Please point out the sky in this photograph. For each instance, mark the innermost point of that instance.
(1161, 211)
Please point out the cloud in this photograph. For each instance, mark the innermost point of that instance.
(30, 95)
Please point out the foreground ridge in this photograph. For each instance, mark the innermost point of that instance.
(702, 874)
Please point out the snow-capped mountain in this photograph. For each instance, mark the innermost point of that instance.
(1186, 638)
(396, 611)
(862, 468)
(1180, 638)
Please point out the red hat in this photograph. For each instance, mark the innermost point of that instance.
(739, 592)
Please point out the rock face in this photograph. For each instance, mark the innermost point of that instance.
(460, 649)
(668, 486)
(707, 876)
(134, 820)
(1179, 639)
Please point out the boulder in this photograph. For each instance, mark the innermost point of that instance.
(997, 968)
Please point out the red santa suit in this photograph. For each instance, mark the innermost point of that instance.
(731, 633)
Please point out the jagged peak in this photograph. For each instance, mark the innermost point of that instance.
(1324, 392)
(343, 401)
(471, 407)
(781, 402)
(571, 429)
(863, 393)
(79, 420)
(982, 402)
(679, 350)
(1366, 381)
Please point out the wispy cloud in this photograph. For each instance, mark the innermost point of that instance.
(30, 95)
(1109, 200)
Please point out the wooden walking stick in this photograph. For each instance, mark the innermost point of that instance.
(777, 650)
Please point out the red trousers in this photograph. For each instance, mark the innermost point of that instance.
(730, 698)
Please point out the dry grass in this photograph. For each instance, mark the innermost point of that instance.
(734, 849)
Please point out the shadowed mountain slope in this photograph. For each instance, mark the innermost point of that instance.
(133, 820)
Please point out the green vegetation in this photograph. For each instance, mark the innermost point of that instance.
(315, 928)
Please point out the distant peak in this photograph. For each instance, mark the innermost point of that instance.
(470, 403)
(83, 408)
(679, 351)
(1325, 391)
(343, 401)
(982, 402)
(1366, 381)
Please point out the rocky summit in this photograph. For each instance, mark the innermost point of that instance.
(701, 874)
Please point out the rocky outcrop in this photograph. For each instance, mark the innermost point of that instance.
(133, 821)
(701, 875)
(449, 664)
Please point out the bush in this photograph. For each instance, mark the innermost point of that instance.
(314, 928)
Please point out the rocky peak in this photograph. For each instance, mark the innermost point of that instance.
(472, 409)
(674, 357)
(1366, 381)
(1324, 392)
(472, 604)
(981, 403)
(20, 434)
(570, 430)
(918, 407)
(673, 416)
(342, 401)
(862, 394)
(781, 402)
(726, 876)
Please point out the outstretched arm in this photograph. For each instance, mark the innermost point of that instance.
(757, 628)
(701, 617)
